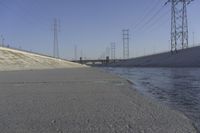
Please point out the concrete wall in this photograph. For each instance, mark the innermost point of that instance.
(183, 58)
(12, 59)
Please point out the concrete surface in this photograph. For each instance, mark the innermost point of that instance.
(11, 59)
(184, 58)
(80, 100)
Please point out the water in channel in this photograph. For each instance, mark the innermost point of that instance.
(178, 88)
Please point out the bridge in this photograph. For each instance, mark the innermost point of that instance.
(97, 61)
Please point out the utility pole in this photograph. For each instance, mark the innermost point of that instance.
(113, 47)
(125, 33)
(144, 52)
(81, 53)
(2, 40)
(103, 55)
(56, 30)
(179, 24)
(193, 39)
(75, 52)
(107, 51)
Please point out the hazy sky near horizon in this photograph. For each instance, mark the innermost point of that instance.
(92, 25)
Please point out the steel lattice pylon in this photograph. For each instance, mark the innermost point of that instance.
(113, 47)
(125, 43)
(179, 24)
(56, 30)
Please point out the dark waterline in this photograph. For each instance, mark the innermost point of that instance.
(178, 88)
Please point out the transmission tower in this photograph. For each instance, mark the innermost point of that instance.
(112, 48)
(107, 51)
(56, 29)
(179, 24)
(125, 43)
(2, 40)
(75, 52)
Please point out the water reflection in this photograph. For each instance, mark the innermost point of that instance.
(177, 87)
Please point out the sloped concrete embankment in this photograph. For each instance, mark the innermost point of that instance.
(11, 59)
(183, 58)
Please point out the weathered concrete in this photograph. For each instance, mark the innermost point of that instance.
(183, 58)
(11, 59)
(80, 100)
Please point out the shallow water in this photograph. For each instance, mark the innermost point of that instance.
(179, 88)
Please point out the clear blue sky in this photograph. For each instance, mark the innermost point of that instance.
(91, 25)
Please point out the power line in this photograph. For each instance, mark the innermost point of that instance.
(56, 30)
(151, 18)
(179, 24)
(112, 48)
(147, 12)
(107, 51)
(158, 25)
(125, 34)
(160, 20)
(2, 40)
(75, 52)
